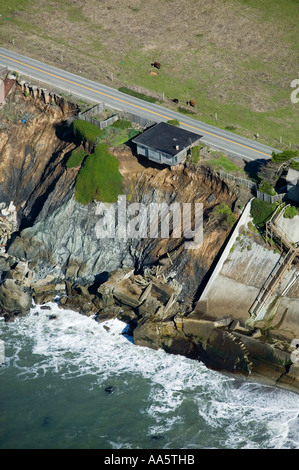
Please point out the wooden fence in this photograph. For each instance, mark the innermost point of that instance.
(253, 186)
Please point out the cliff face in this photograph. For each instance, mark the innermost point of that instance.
(58, 235)
(33, 143)
(65, 242)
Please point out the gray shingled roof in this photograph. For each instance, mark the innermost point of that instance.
(164, 137)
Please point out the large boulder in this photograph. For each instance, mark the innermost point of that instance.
(13, 299)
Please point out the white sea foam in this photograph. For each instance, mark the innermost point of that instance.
(235, 413)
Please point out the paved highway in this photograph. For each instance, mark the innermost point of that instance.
(228, 142)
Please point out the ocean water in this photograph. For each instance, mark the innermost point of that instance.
(73, 383)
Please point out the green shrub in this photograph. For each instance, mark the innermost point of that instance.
(85, 131)
(75, 158)
(174, 122)
(295, 165)
(99, 177)
(133, 133)
(223, 208)
(141, 96)
(290, 212)
(265, 187)
(261, 211)
(284, 156)
(222, 161)
(122, 124)
(194, 155)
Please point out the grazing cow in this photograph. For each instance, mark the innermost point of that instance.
(157, 65)
(175, 100)
(192, 103)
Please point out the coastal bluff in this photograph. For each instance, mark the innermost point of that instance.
(51, 252)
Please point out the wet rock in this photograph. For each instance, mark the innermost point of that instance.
(46, 421)
(108, 313)
(43, 298)
(13, 299)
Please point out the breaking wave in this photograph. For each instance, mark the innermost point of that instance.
(127, 396)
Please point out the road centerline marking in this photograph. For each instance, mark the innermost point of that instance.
(133, 105)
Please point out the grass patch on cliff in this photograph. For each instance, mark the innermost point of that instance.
(261, 211)
(223, 209)
(76, 157)
(291, 212)
(221, 162)
(99, 178)
(84, 131)
(119, 132)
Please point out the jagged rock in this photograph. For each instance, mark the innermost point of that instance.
(237, 326)
(60, 287)
(43, 298)
(42, 282)
(72, 268)
(4, 264)
(147, 334)
(106, 294)
(79, 304)
(20, 273)
(13, 299)
(257, 333)
(128, 316)
(108, 313)
(127, 293)
(149, 307)
(290, 379)
(44, 289)
(222, 322)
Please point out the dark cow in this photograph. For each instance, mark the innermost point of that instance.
(157, 65)
(175, 100)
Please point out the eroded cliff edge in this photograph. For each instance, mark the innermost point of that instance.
(151, 284)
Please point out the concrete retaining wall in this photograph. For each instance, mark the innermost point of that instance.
(243, 220)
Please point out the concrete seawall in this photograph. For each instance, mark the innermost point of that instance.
(201, 305)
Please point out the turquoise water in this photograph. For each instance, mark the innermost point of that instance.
(72, 383)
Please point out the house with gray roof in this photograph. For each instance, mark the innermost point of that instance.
(166, 144)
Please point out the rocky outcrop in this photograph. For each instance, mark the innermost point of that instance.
(8, 223)
(15, 295)
(13, 300)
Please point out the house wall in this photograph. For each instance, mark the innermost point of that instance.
(161, 157)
